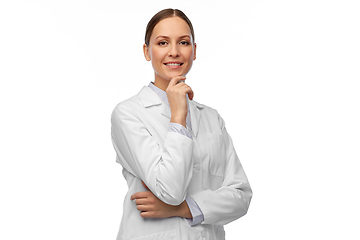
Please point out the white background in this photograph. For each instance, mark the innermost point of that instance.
(283, 74)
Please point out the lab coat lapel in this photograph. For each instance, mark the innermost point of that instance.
(195, 114)
(165, 110)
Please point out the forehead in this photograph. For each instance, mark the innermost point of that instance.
(171, 27)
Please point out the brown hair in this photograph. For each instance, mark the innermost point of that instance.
(166, 13)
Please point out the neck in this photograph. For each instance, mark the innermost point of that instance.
(161, 82)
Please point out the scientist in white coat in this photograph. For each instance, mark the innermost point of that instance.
(184, 178)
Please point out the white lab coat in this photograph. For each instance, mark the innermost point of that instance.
(173, 166)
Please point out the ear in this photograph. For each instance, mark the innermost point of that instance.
(146, 52)
(194, 51)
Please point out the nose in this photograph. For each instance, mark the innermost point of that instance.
(173, 51)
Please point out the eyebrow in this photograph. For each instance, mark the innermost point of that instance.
(184, 36)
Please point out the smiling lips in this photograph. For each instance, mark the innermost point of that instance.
(173, 65)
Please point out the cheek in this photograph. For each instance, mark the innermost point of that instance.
(189, 55)
(157, 54)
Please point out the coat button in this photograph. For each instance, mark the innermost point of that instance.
(203, 234)
(197, 167)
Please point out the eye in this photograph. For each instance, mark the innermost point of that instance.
(184, 43)
(162, 43)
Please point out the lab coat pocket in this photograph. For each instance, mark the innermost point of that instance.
(168, 235)
(217, 155)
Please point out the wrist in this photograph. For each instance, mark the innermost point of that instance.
(180, 120)
(184, 211)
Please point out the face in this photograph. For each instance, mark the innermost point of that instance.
(171, 49)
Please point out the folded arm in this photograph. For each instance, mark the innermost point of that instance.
(166, 169)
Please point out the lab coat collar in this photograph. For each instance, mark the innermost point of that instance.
(149, 98)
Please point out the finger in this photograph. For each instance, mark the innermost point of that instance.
(141, 201)
(181, 81)
(179, 84)
(191, 94)
(146, 214)
(187, 89)
(175, 80)
(142, 208)
(145, 185)
(139, 195)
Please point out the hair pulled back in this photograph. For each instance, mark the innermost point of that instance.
(163, 14)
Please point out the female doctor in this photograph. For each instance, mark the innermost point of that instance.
(184, 178)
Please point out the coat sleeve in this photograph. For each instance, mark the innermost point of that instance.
(231, 201)
(166, 169)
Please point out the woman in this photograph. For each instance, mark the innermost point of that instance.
(184, 177)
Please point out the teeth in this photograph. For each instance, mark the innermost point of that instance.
(173, 64)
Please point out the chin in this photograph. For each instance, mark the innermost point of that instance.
(169, 77)
(177, 74)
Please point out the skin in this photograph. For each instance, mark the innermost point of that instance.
(152, 207)
(171, 41)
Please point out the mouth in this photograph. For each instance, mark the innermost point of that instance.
(173, 64)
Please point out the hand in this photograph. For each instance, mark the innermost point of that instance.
(151, 207)
(176, 93)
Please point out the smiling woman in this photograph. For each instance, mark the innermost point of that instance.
(185, 179)
(171, 49)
